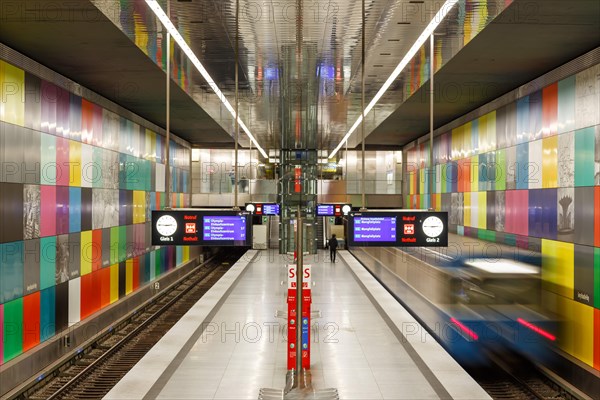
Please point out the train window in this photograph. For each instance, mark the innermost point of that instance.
(502, 266)
(496, 282)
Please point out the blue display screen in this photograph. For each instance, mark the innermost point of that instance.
(270, 209)
(374, 229)
(325, 210)
(224, 228)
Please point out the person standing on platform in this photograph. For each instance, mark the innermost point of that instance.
(243, 184)
(333, 245)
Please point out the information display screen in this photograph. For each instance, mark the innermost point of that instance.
(200, 227)
(333, 210)
(270, 209)
(218, 228)
(325, 210)
(263, 208)
(398, 228)
(375, 229)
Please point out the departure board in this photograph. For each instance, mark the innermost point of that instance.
(224, 228)
(270, 209)
(400, 228)
(375, 229)
(333, 209)
(200, 227)
(325, 210)
(263, 208)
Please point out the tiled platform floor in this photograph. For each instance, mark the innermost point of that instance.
(242, 347)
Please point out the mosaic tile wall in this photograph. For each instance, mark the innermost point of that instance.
(77, 185)
(528, 175)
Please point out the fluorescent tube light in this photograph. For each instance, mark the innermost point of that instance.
(155, 7)
(437, 19)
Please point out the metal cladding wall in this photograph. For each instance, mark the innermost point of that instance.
(77, 185)
(528, 174)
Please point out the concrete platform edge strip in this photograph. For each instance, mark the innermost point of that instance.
(438, 367)
(149, 376)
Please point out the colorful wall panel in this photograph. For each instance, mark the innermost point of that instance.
(583, 280)
(584, 216)
(11, 271)
(535, 185)
(114, 283)
(47, 313)
(31, 266)
(550, 110)
(549, 201)
(10, 211)
(12, 81)
(597, 338)
(467, 209)
(535, 166)
(566, 104)
(597, 277)
(597, 217)
(31, 320)
(75, 205)
(523, 120)
(535, 115)
(581, 332)
(549, 158)
(104, 279)
(558, 266)
(516, 215)
(587, 98)
(13, 329)
(584, 162)
(1, 334)
(61, 306)
(524, 172)
(74, 301)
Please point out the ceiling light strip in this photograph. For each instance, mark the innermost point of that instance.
(160, 14)
(433, 24)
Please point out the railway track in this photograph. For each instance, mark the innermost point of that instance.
(93, 372)
(500, 385)
(517, 378)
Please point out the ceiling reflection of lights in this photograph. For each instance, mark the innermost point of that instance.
(427, 32)
(160, 14)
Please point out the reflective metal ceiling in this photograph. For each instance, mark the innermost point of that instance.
(333, 28)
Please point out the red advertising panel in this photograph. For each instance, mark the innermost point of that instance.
(306, 300)
(291, 323)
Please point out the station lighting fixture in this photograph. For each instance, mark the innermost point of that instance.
(433, 24)
(160, 14)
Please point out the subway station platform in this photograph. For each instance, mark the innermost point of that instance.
(230, 344)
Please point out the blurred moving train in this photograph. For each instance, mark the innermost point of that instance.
(471, 303)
